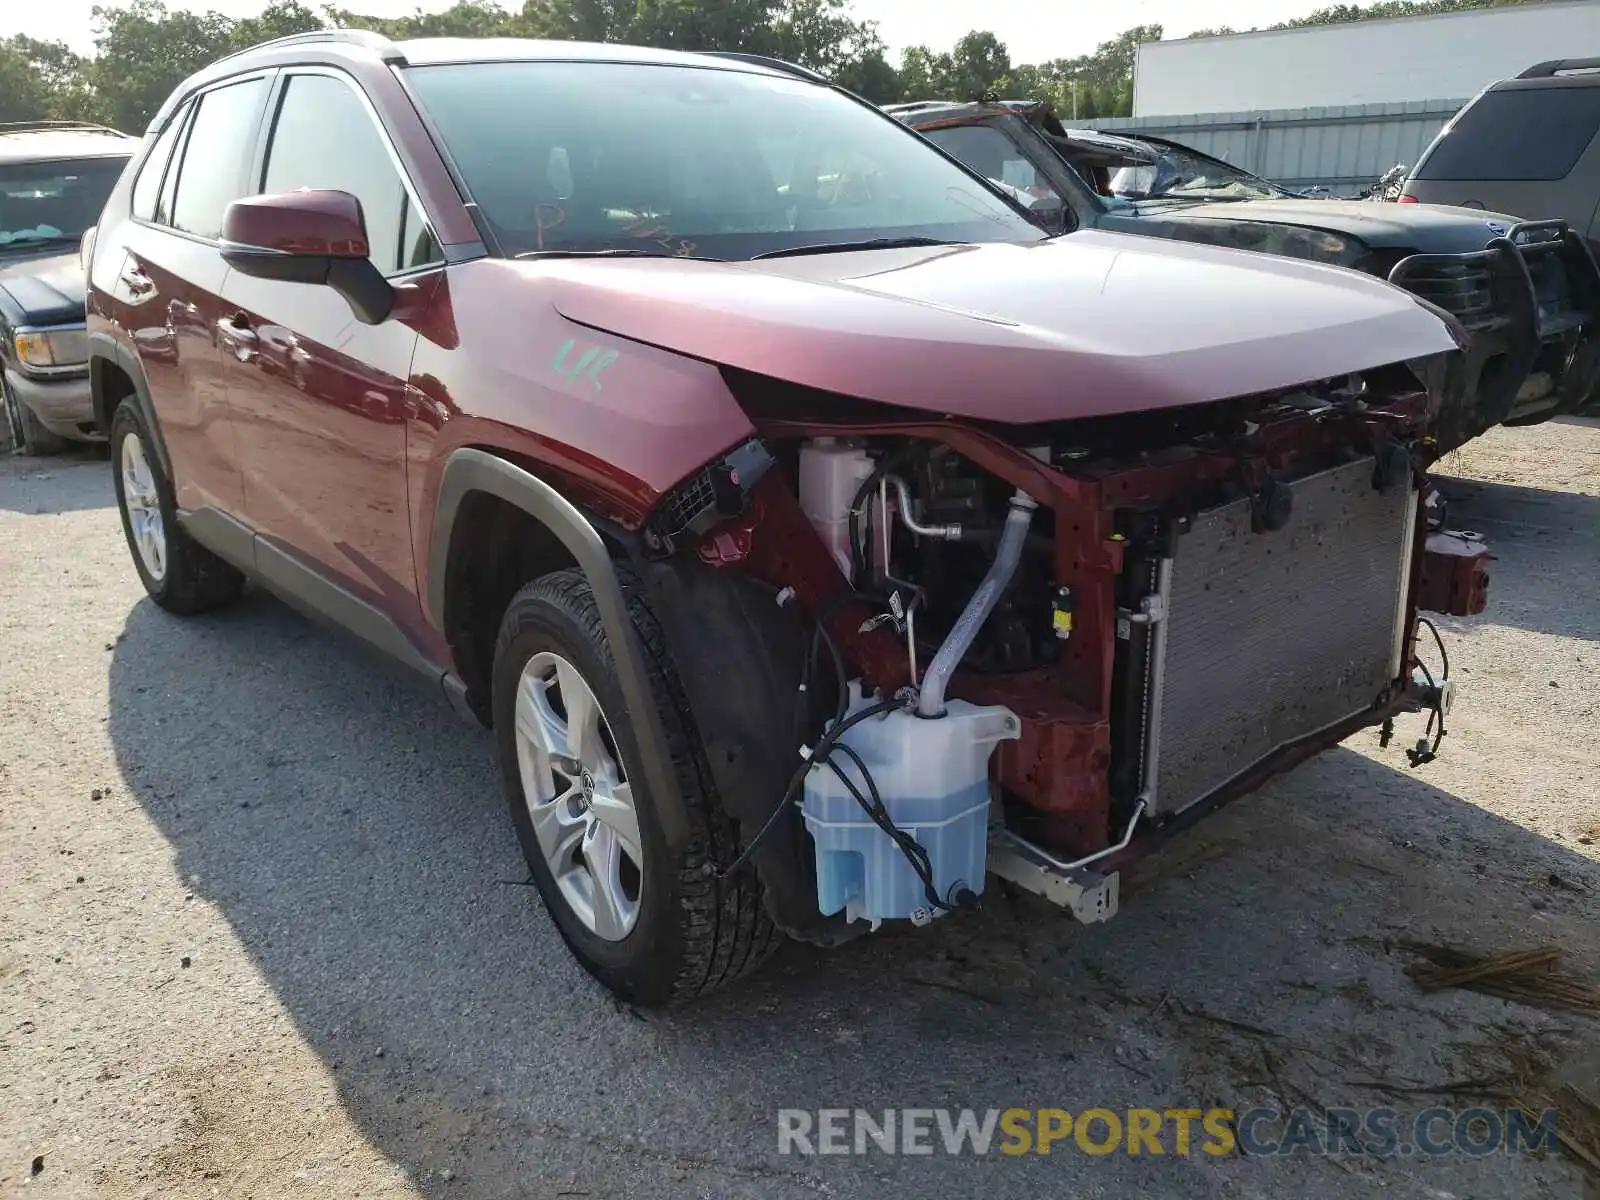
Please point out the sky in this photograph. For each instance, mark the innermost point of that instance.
(1033, 30)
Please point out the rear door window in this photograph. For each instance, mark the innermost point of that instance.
(1517, 134)
(221, 138)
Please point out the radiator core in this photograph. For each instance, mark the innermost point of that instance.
(1273, 636)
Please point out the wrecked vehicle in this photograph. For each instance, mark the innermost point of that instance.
(816, 535)
(1528, 292)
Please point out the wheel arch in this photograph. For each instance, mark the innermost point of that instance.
(472, 474)
(115, 374)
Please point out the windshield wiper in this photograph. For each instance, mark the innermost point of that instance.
(894, 243)
(1203, 197)
(628, 252)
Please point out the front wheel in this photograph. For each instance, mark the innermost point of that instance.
(650, 924)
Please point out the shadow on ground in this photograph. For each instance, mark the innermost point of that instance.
(1537, 536)
(352, 831)
(54, 484)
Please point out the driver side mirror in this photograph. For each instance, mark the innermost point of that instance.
(309, 236)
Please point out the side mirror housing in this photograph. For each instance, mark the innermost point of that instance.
(311, 236)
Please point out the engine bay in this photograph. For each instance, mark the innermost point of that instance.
(1034, 650)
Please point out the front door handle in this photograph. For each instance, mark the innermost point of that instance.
(236, 335)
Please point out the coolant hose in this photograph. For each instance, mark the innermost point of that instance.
(959, 641)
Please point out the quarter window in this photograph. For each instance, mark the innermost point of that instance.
(220, 140)
(324, 137)
(147, 188)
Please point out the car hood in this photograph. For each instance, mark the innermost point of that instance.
(1083, 325)
(44, 291)
(1433, 228)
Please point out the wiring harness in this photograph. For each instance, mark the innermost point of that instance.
(822, 755)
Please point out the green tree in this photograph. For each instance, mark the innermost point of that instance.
(978, 63)
(44, 80)
(466, 18)
(143, 51)
(24, 94)
(922, 73)
(275, 21)
(578, 20)
(704, 24)
(870, 77)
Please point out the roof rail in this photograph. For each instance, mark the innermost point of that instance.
(774, 64)
(383, 47)
(57, 126)
(1558, 66)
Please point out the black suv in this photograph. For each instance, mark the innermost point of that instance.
(54, 179)
(1485, 159)
(1528, 293)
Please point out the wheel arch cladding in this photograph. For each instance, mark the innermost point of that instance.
(469, 471)
(740, 690)
(115, 374)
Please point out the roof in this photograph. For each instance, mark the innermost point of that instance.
(423, 52)
(46, 141)
(433, 51)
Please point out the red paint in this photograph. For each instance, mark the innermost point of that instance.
(329, 436)
(322, 222)
(1455, 574)
(1077, 326)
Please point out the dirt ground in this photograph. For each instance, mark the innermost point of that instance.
(261, 933)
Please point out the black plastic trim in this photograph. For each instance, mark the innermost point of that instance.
(467, 471)
(302, 587)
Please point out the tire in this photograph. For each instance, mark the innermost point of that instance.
(689, 933)
(184, 578)
(28, 434)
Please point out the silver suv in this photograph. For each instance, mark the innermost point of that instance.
(1527, 146)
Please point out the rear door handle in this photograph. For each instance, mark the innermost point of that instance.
(235, 333)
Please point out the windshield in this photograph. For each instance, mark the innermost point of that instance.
(593, 157)
(1179, 174)
(56, 201)
(994, 156)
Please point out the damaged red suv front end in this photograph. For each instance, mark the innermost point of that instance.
(1227, 540)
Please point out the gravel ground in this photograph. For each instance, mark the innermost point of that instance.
(262, 934)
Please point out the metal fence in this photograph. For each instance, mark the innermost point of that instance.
(1340, 148)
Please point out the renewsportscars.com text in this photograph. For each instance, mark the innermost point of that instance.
(1180, 1132)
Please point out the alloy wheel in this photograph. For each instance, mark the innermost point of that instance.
(578, 796)
(143, 507)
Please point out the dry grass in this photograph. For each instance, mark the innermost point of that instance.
(1522, 1072)
(1526, 976)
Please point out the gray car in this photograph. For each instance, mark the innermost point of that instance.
(1526, 145)
(54, 179)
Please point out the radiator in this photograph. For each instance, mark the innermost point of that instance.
(1270, 637)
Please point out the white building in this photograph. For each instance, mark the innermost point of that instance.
(1443, 56)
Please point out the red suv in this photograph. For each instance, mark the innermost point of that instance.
(816, 533)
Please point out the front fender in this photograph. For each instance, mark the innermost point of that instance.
(469, 470)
